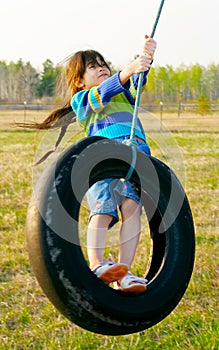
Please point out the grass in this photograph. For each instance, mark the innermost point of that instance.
(29, 321)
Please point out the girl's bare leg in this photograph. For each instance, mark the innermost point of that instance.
(130, 230)
(96, 238)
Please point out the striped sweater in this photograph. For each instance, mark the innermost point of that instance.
(107, 110)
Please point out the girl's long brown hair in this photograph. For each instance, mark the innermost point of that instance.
(73, 75)
(74, 72)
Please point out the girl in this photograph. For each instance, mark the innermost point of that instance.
(103, 104)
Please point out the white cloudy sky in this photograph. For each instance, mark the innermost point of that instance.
(37, 30)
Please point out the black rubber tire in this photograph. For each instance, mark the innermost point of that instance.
(56, 255)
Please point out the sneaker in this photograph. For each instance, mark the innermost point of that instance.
(131, 283)
(109, 271)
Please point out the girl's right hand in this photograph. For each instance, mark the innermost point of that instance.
(141, 64)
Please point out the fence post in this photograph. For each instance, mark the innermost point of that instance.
(161, 114)
(25, 104)
(179, 108)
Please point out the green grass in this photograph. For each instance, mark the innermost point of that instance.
(29, 320)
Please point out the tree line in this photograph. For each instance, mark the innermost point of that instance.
(20, 82)
(184, 83)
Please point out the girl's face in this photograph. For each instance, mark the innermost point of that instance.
(95, 74)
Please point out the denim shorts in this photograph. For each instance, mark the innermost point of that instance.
(106, 196)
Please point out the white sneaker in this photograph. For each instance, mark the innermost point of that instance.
(131, 283)
(109, 271)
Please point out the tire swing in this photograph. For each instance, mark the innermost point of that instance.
(54, 245)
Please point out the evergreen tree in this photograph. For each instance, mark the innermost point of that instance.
(48, 79)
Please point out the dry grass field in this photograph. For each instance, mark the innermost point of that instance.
(29, 320)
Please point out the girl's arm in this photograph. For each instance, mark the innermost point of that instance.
(86, 102)
(94, 100)
(142, 63)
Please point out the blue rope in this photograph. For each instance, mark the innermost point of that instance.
(134, 148)
(137, 103)
(131, 142)
(140, 79)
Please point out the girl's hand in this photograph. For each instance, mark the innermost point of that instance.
(140, 64)
(149, 47)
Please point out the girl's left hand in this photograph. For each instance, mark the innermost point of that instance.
(149, 47)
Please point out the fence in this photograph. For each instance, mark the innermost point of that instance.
(19, 106)
(154, 118)
(159, 107)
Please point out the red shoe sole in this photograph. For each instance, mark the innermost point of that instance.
(135, 289)
(114, 273)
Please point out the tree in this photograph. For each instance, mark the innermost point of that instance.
(29, 79)
(48, 79)
(18, 81)
(3, 81)
(212, 81)
(196, 81)
(203, 105)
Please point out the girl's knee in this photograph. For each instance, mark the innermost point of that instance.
(130, 207)
(100, 221)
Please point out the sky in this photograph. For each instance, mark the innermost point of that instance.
(50, 29)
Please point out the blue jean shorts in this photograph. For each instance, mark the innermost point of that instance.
(106, 196)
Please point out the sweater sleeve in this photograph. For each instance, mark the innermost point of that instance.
(134, 83)
(86, 102)
(94, 100)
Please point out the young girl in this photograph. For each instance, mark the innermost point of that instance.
(103, 104)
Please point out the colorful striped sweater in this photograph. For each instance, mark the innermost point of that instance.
(107, 110)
